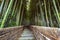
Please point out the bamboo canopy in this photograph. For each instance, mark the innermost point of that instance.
(26, 12)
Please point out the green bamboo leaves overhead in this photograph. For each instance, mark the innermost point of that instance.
(35, 12)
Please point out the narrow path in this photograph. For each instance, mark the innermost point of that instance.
(26, 35)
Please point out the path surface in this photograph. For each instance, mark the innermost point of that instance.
(27, 35)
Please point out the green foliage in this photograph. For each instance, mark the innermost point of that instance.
(35, 12)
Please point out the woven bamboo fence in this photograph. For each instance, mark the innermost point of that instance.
(40, 33)
(10, 33)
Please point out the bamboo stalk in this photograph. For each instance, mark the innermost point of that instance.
(57, 13)
(50, 15)
(6, 3)
(45, 6)
(6, 14)
(2, 4)
(56, 17)
(21, 16)
(18, 15)
(42, 14)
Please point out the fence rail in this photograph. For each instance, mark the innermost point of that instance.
(45, 33)
(39, 32)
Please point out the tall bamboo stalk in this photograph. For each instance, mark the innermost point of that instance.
(18, 15)
(50, 15)
(6, 14)
(2, 4)
(42, 14)
(45, 6)
(57, 13)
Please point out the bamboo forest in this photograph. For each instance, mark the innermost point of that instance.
(41, 18)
